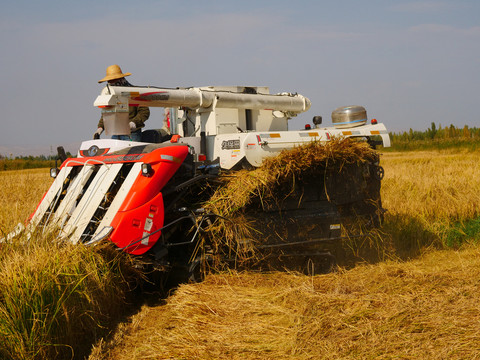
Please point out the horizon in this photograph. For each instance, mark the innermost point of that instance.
(73, 148)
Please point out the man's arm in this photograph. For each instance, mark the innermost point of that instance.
(139, 115)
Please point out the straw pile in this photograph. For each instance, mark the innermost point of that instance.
(234, 234)
(423, 309)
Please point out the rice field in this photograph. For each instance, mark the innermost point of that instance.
(426, 307)
(432, 198)
(56, 298)
(432, 186)
(20, 193)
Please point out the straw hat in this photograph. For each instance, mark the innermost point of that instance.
(114, 72)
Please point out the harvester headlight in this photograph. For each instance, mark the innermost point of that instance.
(54, 172)
(147, 170)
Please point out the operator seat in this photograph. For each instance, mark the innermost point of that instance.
(155, 136)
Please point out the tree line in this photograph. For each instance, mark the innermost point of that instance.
(28, 162)
(436, 137)
(440, 133)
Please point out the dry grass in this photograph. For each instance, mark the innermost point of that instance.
(433, 186)
(423, 309)
(426, 195)
(20, 193)
(57, 298)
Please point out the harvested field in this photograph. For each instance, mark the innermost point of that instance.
(423, 309)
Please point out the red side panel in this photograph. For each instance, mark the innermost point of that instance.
(165, 163)
(133, 228)
(138, 220)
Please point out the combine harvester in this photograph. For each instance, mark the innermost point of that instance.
(149, 197)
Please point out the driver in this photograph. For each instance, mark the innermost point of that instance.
(136, 114)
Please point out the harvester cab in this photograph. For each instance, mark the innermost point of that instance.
(148, 197)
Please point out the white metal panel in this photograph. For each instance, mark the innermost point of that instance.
(119, 197)
(50, 196)
(92, 198)
(69, 201)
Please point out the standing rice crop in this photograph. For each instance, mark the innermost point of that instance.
(56, 299)
(20, 192)
(429, 194)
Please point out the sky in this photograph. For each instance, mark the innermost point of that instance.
(409, 63)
